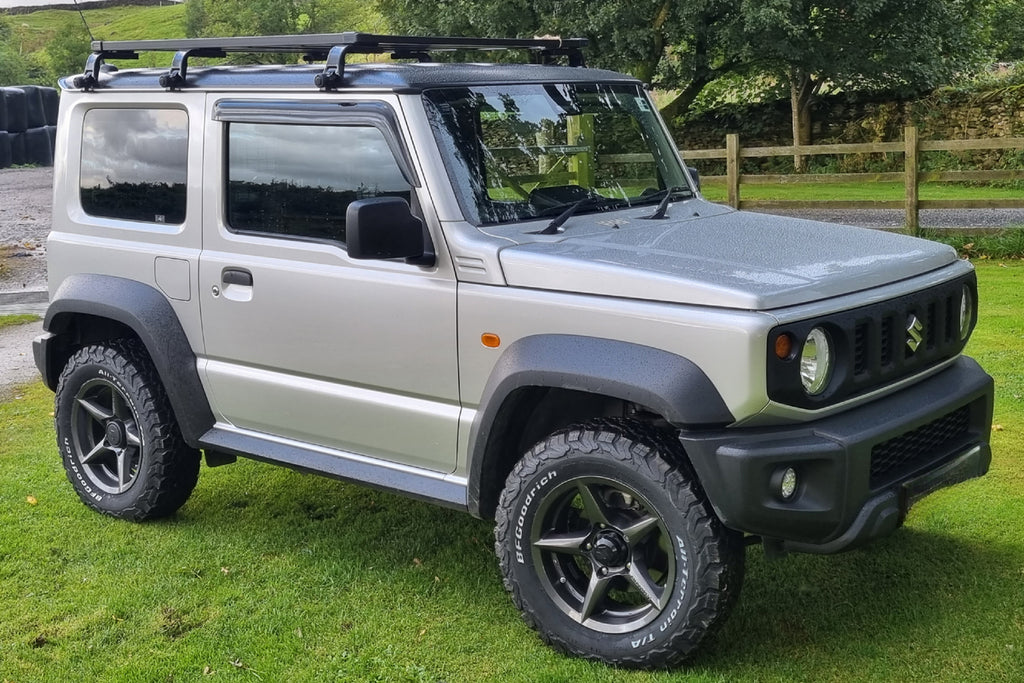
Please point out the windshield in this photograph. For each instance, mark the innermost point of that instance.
(517, 152)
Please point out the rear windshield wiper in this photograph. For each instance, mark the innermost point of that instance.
(571, 209)
(670, 194)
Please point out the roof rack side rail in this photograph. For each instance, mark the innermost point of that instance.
(332, 47)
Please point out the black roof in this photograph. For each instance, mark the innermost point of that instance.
(391, 76)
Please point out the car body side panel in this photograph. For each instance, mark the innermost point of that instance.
(325, 349)
(81, 243)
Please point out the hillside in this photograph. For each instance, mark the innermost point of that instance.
(36, 29)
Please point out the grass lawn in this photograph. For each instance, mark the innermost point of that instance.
(267, 574)
(716, 191)
(17, 319)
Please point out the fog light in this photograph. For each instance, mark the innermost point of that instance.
(788, 485)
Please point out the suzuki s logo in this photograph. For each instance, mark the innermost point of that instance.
(914, 333)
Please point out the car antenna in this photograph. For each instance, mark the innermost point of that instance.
(84, 22)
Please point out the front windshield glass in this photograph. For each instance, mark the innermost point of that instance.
(518, 152)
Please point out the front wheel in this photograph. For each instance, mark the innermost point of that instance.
(610, 549)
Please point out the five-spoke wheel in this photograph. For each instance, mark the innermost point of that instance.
(604, 557)
(610, 549)
(106, 433)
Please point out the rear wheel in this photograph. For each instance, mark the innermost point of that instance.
(120, 443)
(610, 549)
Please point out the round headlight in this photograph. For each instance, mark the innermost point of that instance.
(816, 362)
(966, 311)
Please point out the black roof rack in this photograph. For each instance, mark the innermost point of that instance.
(331, 47)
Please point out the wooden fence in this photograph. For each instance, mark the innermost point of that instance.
(911, 176)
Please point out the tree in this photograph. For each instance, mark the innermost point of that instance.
(674, 45)
(13, 70)
(900, 46)
(274, 17)
(69, 48)
(1005, 30)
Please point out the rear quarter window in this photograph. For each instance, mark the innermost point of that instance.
(135, 164)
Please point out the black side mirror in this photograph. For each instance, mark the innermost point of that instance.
(384, 228)
(695, 175)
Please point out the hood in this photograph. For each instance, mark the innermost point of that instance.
(732, 260)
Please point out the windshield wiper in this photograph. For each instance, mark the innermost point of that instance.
(662, 209)
(571, 209)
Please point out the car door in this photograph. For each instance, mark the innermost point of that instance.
(304, 343)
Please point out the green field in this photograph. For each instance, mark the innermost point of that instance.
(35, 29)
(268, 574)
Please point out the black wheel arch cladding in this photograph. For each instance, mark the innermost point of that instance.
(148, 314)
(669, 385)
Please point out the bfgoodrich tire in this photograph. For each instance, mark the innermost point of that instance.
(610, 549)
(122, 448)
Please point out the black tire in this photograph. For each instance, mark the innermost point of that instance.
(121, 445)
(597, 511)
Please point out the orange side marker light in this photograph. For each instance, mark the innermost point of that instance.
(783, 346)
(490, 340)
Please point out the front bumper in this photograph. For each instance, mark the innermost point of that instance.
(858, 472)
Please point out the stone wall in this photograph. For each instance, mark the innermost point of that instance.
(943, 115)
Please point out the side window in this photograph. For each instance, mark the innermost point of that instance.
(298, 180)
(135, 164)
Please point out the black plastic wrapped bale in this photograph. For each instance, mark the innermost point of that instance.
(5, 149)
(38, 150)
(52, 132)
(15, 102)
(51, 104)
(35, 114)
(17, 148)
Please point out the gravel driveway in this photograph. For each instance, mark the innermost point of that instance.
(26, 196)
(17, 366)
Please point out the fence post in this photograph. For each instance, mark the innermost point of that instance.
(910, 178)
(732, 168)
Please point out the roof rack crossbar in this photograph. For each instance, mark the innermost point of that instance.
(330, 46)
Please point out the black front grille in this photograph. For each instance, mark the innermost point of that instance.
(881, 346)
(872, 344)
(906, 452)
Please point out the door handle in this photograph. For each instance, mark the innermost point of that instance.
(236, 276)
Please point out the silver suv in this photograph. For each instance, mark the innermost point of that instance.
(495, 287)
